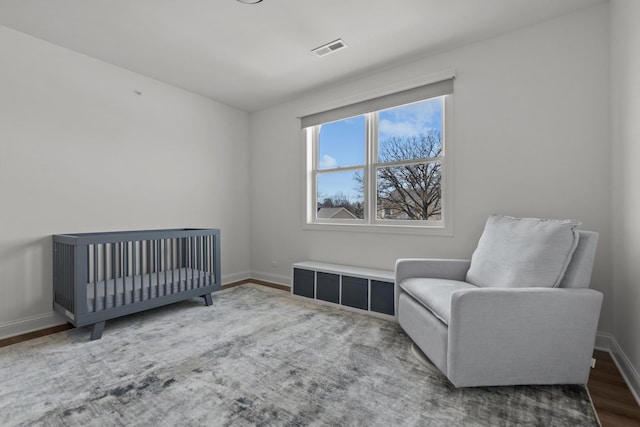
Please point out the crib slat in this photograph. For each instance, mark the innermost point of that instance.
(107, 272)
(148, 258)
(89, 271)
(210, 259)
(185, 254)
(134, 272)
(65, 275)
(117, 265)
(154, 266)
(95, 277)
(173, 266)
(195, 262)
(205, 242)
(203, 261)
(113, 266)
(142, 265)
(192, 259)
(127, 267)
(70, 270)
(104, 274)
(60, 273)
(200, 254)
(216, 259)
(164, 267)
(63, 272)
(196, 265)
(214, 266)
(179, 265)
(186, 262)
(154, 259)
(151, 257)
(158, 268)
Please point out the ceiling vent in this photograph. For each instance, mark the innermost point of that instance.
(330, 47)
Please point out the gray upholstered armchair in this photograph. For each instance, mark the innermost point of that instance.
(519, 312)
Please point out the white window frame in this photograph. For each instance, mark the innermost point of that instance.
(371, 223)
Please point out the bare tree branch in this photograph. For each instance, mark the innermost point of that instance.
(410, 191)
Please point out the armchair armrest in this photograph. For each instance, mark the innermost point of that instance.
(503, 336)
(451, 269)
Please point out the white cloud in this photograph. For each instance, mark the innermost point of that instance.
(410, 120)
(388, 128)
(328, 162)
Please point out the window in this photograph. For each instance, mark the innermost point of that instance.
(383, 169)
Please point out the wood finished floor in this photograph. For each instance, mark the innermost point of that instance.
(614, 403)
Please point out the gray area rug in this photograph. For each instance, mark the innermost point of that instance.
(256, 357)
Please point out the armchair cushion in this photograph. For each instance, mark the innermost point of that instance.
(523, 252)
(434, 294)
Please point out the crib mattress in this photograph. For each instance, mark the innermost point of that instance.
(143, 286)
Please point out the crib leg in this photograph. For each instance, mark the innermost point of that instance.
(207, 299)
(96, 330)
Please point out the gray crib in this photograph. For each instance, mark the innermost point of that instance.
(101, 276)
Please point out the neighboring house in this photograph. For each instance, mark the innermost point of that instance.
(338, 213)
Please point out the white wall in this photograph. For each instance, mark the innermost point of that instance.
(531, 138)
(80, 151)
(625, 113)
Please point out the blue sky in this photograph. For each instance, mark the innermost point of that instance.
(342, 143)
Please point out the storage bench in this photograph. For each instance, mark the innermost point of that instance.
(364, 289)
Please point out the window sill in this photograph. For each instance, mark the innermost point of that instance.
(384, 229)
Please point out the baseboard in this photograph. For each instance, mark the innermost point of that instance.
(272, 278)
(607, 342)
(30, 324)
(603, 341)
(236, 277)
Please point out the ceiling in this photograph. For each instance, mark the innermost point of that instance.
(254, 56)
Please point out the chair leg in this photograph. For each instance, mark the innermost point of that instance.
(207, 299)
(96, 330)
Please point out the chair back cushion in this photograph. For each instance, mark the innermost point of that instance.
(523, 252)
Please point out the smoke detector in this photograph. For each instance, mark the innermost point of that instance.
(330, 47)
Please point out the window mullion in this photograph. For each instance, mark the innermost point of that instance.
(411, 162)
(372, 156)
(341, 169)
